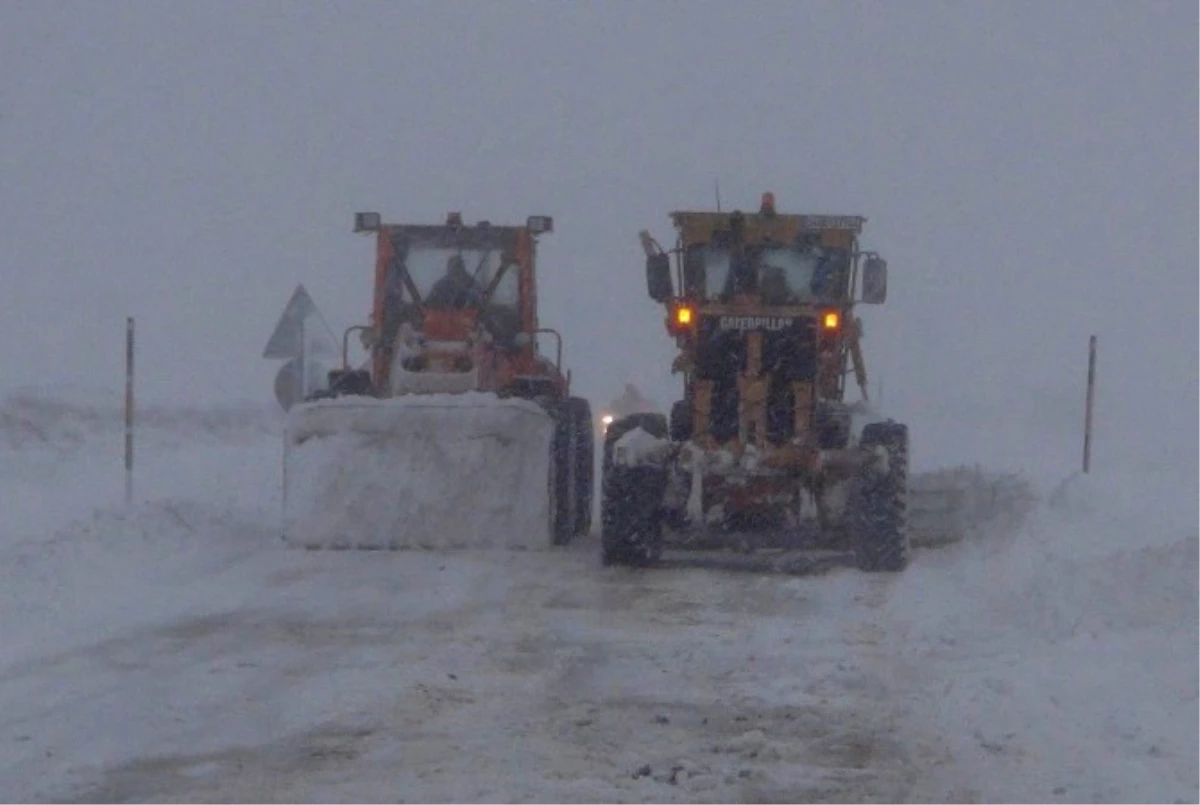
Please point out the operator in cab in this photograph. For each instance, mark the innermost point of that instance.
(456, 290)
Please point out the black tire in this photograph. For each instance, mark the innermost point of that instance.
(879, 503)
(561, 454)
(584, 435)
(631, 515)
(572, 461)
(631, 499)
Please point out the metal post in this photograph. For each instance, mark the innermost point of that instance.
(1091, 395)
(303, 359)
(129, 411)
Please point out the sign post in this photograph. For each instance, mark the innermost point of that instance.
(1091, 396)
(302, 376)
(129, 411)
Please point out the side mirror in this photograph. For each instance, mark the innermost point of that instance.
(874, 281)
(539, 224)
(658, 277)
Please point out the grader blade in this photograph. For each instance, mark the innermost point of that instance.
(958, 503)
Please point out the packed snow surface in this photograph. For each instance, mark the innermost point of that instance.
(429, 471)
(179, 650)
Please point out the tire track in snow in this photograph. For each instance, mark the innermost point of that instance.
(532, 677)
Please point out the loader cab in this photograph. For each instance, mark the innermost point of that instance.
(470, 287)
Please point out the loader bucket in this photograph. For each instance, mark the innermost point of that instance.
(433, 471)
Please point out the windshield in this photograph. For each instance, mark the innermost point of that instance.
(428, 265)
(783, 275)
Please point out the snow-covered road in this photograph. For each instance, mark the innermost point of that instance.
(178, 652)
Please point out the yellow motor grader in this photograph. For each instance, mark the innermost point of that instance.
(763, 450)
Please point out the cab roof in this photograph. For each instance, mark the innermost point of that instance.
(699, 226)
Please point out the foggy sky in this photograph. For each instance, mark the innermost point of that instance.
(1028, 169)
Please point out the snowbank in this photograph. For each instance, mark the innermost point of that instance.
(206, 488)
(62, 454)
(64, 419)
(432, 471)
(1072, 643)
(175, 651)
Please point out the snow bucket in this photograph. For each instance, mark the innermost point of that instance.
(438, 471)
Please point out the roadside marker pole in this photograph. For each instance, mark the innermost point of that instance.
(303, 379)
(129, 411)
(1091, 396)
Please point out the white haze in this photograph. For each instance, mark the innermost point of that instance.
(1028, 169)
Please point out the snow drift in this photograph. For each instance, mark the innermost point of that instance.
(1052, 660)
(435, 471)
(1059, 660)
(63, 419)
